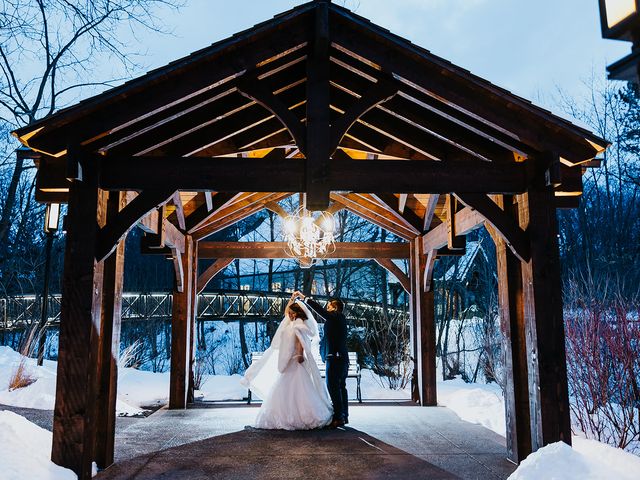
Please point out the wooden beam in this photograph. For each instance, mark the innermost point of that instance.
(428, 269)
(287, 175)
(177, 201)
(402, 202)
(209, 209)
(466, 220)
(109, 349)
(508, 228)
(354, 205)
(396, 271)
(116, 228)
(74, 416)
(392, 204)
(318, 138)
(544, 323)
(278, 250)
(454, 240)
(379, 93)
(277, 209)
(181, 333)
(212, 270)
(252, 88)
(512, 327)
(425, 329)
(429, 211)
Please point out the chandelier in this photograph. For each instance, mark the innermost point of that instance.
(308, 234)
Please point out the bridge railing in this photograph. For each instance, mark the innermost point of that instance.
(25, 310)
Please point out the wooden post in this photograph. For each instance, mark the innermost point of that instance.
(74, 419)
(423, 320)
(512, 326)
(109, 347)
(542, 294)
(181, 332)
(192, 321)
(318, 137)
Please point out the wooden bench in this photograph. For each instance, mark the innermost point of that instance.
(354, 371)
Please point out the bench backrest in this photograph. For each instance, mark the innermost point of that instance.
(354, 368)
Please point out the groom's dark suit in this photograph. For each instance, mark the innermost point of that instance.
(333, 350)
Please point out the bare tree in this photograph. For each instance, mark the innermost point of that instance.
(51, 52)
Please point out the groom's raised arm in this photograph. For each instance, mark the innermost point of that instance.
(319, 309)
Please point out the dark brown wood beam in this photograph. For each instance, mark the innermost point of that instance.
(396, 271)
(209, 209)
(516, 238)
(353, 250)
(357, 206)
(318, 134)
(406, 216)
(212, 270)
(120, 224)
(455, 241)
(466, 220)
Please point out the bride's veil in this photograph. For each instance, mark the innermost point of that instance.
(261, 375)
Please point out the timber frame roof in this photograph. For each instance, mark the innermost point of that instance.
(403, 127)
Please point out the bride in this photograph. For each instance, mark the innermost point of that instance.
(287, 377)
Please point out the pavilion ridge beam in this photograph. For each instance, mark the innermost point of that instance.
(318, 132)
(212, 270)
(353, 250)
(510, 231)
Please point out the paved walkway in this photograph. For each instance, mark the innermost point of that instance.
(383, 441)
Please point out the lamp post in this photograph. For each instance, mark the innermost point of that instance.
(620, 20)
(51, 221)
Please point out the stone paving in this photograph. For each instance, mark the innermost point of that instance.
(383, 441)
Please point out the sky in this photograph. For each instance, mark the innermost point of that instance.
(532, 48)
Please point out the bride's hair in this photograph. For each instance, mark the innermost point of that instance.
(297, 309)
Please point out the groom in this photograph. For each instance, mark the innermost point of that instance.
(333, 350)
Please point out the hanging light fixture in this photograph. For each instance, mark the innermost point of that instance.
(309, 235)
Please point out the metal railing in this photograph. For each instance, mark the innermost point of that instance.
(24, 310)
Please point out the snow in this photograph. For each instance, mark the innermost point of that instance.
(26, 449)
(26, 444)
(587, 460)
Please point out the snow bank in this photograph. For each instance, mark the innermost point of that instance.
(474, 402)
(26, 449)
(41, 394)
(587, 460)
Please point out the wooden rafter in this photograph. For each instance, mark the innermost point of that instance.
(516, 238)
(203, 213)
(359, 206)
(392, 203)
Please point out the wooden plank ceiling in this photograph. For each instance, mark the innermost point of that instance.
(198, 107)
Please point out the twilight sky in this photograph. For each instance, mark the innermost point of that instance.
(529, 47)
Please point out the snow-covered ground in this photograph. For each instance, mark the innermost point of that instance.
(26, 447)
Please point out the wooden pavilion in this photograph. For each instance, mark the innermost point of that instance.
(318, 101)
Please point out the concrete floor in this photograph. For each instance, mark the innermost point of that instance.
(382, 441)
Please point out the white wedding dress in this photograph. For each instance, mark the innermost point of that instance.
(295, 397)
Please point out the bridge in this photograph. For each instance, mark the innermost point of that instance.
(18, 312)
